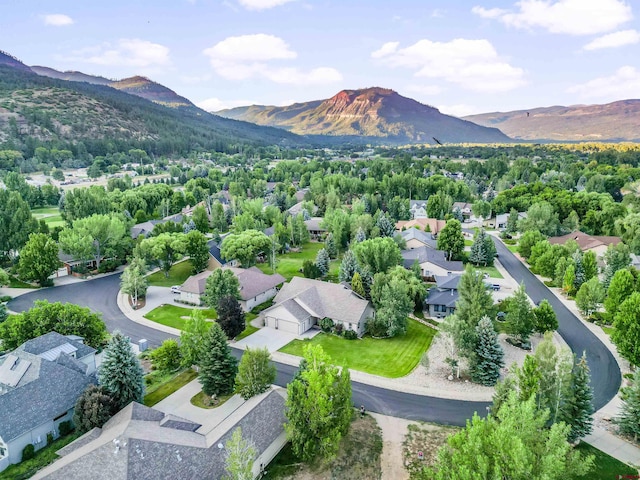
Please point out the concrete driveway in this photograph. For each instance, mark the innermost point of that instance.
(270, 338)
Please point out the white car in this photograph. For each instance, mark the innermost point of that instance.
(175, 289)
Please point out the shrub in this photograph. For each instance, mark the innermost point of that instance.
(339, 328)
(108, 266)
(49, 438)
(350, 334)
(65, 428)
(326, 324)
(5, 298)
(28, 452)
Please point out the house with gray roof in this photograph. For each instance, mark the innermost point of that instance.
(416, 238)
(315, 228)
(418, 208)
(441, 300)
(303, 302)
(40, 382)
(432, 262)
(143, 443)
(215, 257)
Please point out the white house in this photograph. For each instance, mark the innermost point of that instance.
(432, 262)
(40, 382)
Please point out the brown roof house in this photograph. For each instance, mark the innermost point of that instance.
(594, 243)
(143, 443)
(255, 287)
(303, 302)
(434, 225)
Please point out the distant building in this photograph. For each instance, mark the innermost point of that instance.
(432, 262)
(441, 299)
(435, 225)
(418, 208)
(315, 229)
(587, 243)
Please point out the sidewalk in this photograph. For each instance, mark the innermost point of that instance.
(614, 446)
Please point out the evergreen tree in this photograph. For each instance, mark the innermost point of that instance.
(93, 408)
(322, 262)
(231, 318)
(387, 228)
(256, 373)
(361, 235)
(544, 318)
(121, 373)
(629, 420)
(330, 246)
(218, 367)
(512, 222)
(348, 266)
(357, 286)
(579, 271)
(488, 356)
(520, 316)
(578, 409)
(478, 255)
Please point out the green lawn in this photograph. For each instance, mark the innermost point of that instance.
(15, 283)
(201, 400)
(604, 466)
(247, 331)
(607, 329)
(491, 270)
(177, 275)
(51, 215)
(468, 243)
(171, 315)
(290, 264)
(172, 385)
(513, 248)
(42, 458)
(388, 357)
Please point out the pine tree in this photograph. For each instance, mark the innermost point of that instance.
(488, 358)
(387, 228)
(615, 258)
(121, 373)
(230, 316)
(322, 261)
(348, 266)
(520, 316)
(578, 409)
(361, 235)
(218, 367)
(629, 420)
(579, 271)
(357, 286)
(93, 408)
(478, 255)
(330, 246)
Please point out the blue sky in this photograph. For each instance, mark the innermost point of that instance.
(462, 57)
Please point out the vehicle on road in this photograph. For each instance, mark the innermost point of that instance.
(175, 289)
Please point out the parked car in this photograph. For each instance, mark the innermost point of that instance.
(175, 289)
(495, 286)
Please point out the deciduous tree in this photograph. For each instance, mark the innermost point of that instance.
(198, 250)
(133, 281)
(192, 338)
(165, 248)
(38, 259)
(621, 287)
(245, 247)
(590, 296)
(626, 335)
(544, 318)
(256, 373)
(451, 240)
(378, 254)
(221, 283)
(239, 457)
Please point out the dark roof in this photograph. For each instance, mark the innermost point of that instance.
(428, 254)
(447, 281)
(253, 281)
(52, 340)
(447, 298)
(140, 443)
(416, 234)
(214, 251)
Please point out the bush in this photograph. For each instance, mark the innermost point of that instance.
(350, 334)
(5, 298)
(599, 318)
(28, 452)
(65, 428)
(108, 266)
(49, 438)
(326, 324)
(339, 329)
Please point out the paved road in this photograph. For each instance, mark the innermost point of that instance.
(605, 374)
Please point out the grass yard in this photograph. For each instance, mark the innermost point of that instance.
(177, 275)
(15, 283)
(247, 331)
(513, 248)
(607, 329)
(202, 400)
(491, 270)
(605, 466)
(290, 264)
(172, 385)
(387, 357)
(172, 316)
(43, 457)
(51, 215)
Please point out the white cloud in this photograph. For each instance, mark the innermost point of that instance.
(246, 56)
(574, 17)
(57, 20)
(459, 110)
(623, 84)
(472, 64)
(614, 40)
(262, 4)
(131, 52)
(216, 104)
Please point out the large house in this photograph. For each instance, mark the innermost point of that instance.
(441, 300)
(315, 228)
(432, 262)
(143, 443)
(416, 238)
(431, 225)
(255, 287)
(303, 302)
(418, 208)
(587, 243)
(40, 382)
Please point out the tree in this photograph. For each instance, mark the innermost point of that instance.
(540, 217)
(221, 283)
(198, 250)
(133, 281)
(520, 316)
(16, 221)
(167, 356)
(38, 259)
(621, 287)
(513, 443)
(387, 228)
(218, 367)
(481, 209)
(488, 355)
(578, 410)
(45, 317)
(416, 290)
(93, 408)
(555, 365)
(590, 296)
(256, 373)
(98, 236)
(4, 278)
(377, 254)
(239, 457)
(451, 240)
(626, 335)
(512, 222)
(360, 236)
(245, 247)
(322, 262)
(629, 420)
(357, 285)
(589, 265)
(200, 219)
(120, 373)
(615, 258)
(165, 248)
(318, 406)
(230, 316)
(544, 318)
(527, 241)
(348, 267)
(330, 246)
(394, 303)
(483, 250)
(569, 279)
(310, 269)
(192, 338)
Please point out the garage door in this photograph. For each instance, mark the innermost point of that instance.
(284, 325)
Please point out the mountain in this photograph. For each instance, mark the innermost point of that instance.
(369, 112)
(617, 121)
(71, 76)
(9, 60)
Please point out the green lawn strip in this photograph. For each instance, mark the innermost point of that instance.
(491, 270)
(604, 465)
(289, 265)
(177, 275)
(387, 357)
(45, 211)
(175, 383)
(249, 329)
(201, 400)
(15, 283)
(172, 315)
(468, 243)
(513, 248)
(607, 329)
(43, 457)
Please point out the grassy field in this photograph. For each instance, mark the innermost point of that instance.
(177, 275)
(491, 270)
(172, 385)
(604, 466)
(51, 215)
(388, 357)
(172, 315)
(290, 264)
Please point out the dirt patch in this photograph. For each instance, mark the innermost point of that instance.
(141, 302)
(394, 431)
(427, 439)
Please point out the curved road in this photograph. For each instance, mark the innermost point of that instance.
(100, 296)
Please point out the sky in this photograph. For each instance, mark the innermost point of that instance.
(460, 56)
